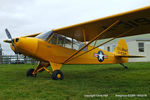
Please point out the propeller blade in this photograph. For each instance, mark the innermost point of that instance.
(7, 41)
(8, 34)
(10, 37)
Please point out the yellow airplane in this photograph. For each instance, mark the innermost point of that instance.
(71, 44)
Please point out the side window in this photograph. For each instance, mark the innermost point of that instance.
(141, 47)
(64, 41)
(58, 40)
(85, 49)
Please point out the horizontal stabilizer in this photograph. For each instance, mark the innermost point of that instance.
(129, 56)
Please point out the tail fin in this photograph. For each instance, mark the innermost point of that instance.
(122, 50)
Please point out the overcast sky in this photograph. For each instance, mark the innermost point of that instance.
(23, 17)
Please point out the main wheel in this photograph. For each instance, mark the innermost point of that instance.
(57, 75)
(29, 73)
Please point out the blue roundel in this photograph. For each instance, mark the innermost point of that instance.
(100, 56)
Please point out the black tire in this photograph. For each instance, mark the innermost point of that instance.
(29, 73)
(57, 75)
(126, 67)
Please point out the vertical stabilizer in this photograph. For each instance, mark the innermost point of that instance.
(122, 48)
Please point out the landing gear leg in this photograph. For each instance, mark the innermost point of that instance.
(33, 72)
(125, 67)
(56, 74)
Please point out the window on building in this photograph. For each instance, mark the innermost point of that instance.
(108, 48)
(141, 47)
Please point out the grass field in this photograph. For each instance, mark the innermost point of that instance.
(79, 82)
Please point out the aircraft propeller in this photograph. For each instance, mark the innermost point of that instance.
(11, 40)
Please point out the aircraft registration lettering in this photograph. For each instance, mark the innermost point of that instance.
(122, 53)
(122, 49)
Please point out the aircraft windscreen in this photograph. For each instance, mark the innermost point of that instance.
(45, 36)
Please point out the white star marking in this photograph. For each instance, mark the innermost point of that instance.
(100, 56)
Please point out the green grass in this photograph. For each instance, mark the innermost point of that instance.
(79, 80)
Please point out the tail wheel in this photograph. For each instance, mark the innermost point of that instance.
(126, 67)
(29, 73)
(57, 75)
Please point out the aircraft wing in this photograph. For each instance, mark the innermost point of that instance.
(138, 19)
(32, 35)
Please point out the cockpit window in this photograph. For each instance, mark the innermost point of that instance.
(64, 41)
(45, 36)
(61, 40)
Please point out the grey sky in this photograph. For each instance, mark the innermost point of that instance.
(23, 17)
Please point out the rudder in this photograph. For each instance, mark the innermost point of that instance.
(121, 48)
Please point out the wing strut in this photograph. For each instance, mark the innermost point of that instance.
(95, 43)
(116, 22)
(102, 44)
(84, 37)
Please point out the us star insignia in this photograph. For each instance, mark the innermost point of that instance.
(100, 56)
